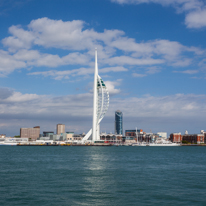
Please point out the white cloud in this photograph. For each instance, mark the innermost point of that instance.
(126, 60)
(74, 109)
(58, 34)
(148, 71)
(20, 39)
(153, 70)
(138, 75)
(166, 106)
(183, 5)
(182, 62)
(194, 9)
(196, 19)
(19, 97)
(8, 64)
(59, 75)
(112, 69)
(115, 50)
(202, 64)
(111, 86)
(188, 72)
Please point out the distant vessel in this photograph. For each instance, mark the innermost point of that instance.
(12, 141)
(164, 143)
(8, 143)
(143, 144)
(157, 143)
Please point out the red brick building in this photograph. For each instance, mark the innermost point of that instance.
(132, 133)
(193, 138)
(176, 137)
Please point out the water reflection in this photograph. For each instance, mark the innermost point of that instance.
(99, 176)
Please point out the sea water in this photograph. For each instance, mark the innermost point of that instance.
(40, 175)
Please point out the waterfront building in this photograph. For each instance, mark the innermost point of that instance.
(47, 134)
(30, 133)
(193, 138)
(60, 128)
(129, 140)
(204, 133)
(70, 135)
(137, 135)
(100, 105)
(118, 123)
(162, 135)
(133, 132)
(176, 137)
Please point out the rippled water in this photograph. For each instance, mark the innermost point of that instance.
(102, 175)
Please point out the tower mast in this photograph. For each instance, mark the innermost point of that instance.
(94, 128)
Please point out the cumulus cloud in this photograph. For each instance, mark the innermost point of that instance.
(195, 9)
(166, 106)
(196, 19)
(57, 34)
(111, 86)
(116, 51)
(8, 64)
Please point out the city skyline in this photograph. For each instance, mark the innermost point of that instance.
(152, 57)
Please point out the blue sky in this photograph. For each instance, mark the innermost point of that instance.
(151, 54)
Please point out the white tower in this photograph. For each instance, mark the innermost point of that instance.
(100, 104)
(95, 102)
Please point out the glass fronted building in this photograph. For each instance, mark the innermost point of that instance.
(118, 122)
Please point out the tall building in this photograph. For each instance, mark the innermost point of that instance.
(118, 122)
(60, 128)
(100, 104)
(30, 133)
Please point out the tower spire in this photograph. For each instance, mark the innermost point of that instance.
(94, 127)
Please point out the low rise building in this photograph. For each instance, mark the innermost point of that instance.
(70, 136)
(47, 133)
(108, 137)
(133, 133)
(162, 135)
(193, 138)
(176, 137)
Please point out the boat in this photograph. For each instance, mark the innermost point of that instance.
(143, 144)
(8, 143)
(164, 143)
